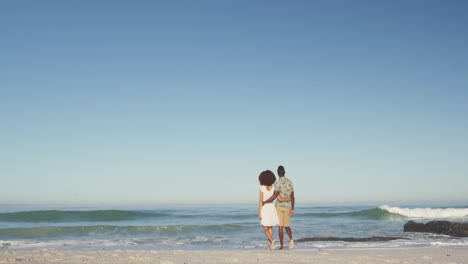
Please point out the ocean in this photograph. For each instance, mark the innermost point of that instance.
(215, 227)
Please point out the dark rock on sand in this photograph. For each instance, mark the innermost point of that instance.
(348, 239)
(438, 227)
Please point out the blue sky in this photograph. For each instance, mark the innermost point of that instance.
(149, 102)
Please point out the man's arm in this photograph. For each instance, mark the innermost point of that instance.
(293, 200)
(272, 198)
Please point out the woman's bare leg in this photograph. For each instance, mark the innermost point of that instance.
(272, 244)
(269, 234)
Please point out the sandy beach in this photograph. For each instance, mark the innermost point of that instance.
(409, 255)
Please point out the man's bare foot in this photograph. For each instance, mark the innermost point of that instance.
(281, 248)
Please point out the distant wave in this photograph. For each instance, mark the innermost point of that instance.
(374, 214)
(429, 213)
(105, 230)
(77, 216)
(70, 216)
(105, 216)
(394, 213)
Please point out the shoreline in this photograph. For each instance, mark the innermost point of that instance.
(452, 254)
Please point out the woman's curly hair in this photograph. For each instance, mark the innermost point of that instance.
(267, 178)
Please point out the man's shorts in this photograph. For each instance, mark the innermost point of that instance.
(283, 216)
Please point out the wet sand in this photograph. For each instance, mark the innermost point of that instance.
(408, 255)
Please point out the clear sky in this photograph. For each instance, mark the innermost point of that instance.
(149, 102)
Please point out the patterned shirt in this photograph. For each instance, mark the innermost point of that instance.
(285, 187)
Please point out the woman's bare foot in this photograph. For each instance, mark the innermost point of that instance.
(268, 246)
(272, 246)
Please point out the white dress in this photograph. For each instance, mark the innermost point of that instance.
(269, 216)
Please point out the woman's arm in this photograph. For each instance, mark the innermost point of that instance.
(260, 204)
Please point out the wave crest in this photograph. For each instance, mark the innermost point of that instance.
(429, 213)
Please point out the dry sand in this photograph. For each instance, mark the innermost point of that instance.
(412, 255)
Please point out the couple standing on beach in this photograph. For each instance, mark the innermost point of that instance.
(268, 214)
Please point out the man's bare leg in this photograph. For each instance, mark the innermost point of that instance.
(288, 230)
(291, 241)
(280, 233)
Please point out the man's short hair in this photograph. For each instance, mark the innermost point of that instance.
(281, 170)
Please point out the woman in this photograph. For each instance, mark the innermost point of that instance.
(267, 213)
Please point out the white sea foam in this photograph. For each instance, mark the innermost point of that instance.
(429, 213)
(460, 243)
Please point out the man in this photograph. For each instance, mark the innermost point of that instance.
(284, 187)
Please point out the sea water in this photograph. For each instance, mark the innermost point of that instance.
(214, 227)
